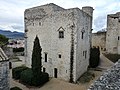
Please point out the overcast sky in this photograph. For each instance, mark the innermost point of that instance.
(12, 11)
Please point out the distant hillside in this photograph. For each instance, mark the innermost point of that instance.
(14, 35)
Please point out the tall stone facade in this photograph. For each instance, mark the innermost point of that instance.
(99, 40)
(65, 36)
(4, 71)
(113, 33)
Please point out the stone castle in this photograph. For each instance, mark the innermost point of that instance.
(110, 39)
(65, 38)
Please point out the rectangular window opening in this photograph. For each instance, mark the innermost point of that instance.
(45, 57)
(44, 69)
(61, 34)
(59, 55)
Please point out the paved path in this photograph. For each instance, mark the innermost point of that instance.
(105, 63)
(53, 84)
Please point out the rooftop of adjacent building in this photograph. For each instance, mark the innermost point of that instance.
(3, 56)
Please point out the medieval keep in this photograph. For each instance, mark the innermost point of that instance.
(65, 38)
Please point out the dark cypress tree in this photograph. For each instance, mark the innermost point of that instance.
(36, 61)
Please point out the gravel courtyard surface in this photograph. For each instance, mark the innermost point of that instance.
(56, 84)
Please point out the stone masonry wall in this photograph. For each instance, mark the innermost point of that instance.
(99, 40)
(109, 80)
(4, 75)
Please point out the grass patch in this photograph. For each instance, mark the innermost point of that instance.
(86, 77)
(15, 59)
(113, 57)
(15, 88)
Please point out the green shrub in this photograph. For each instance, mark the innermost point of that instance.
(28, 78)
(21, 49)
(44, 78)
(94, 57)
(17, 71)
(3, 40)
(86, 77)
(15, 88)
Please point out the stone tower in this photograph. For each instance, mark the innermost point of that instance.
(113, 33)
(65, 36)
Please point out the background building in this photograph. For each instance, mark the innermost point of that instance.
(99, 40)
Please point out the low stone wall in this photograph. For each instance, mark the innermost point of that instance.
(4, 75)
(109, 80)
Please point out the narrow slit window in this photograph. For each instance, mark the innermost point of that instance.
(44, 69)
(85, 54)
(118, 38)
(82, 35)
(45, 57)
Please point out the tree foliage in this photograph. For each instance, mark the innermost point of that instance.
(34, 76)
(17, 71)
(3, 39)
(36, 60)
(94, 57)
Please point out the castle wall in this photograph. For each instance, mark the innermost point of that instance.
(83, 43)
(99, 40)
(4, 75)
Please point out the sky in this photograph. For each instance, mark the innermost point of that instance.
(12, 11)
